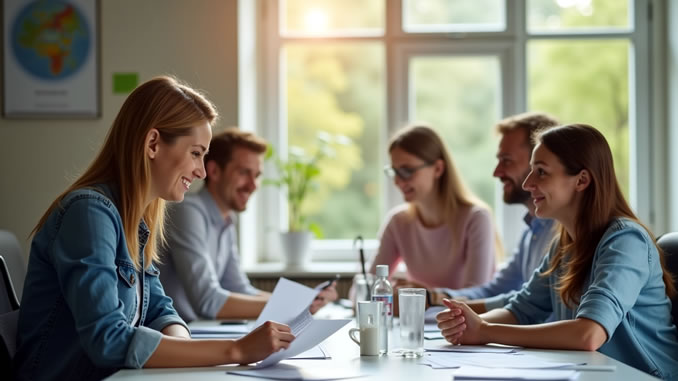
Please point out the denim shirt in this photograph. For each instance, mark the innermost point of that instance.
(624, 293)
(80, 296)
(532, 247)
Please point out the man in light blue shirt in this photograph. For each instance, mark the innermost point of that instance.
(201, 269)
(515, 150)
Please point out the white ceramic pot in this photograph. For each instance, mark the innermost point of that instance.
(296, 247)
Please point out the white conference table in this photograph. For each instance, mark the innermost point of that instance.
(346, 355)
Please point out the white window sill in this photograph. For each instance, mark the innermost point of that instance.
(310, 270)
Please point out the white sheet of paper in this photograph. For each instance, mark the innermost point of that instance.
(315, 353)
(447, 347)
(447, 360)
(288, 300)
(477, 373)
(292, 372)
(312, 335)
(300, 322)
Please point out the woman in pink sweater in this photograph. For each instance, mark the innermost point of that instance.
(444, 233)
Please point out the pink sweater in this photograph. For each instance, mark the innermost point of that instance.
(435, 257)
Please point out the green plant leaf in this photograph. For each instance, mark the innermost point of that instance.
(270, 151)
(316, 230)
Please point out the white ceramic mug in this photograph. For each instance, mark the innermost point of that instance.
(369, 321)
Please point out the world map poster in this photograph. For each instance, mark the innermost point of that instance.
(50, 59)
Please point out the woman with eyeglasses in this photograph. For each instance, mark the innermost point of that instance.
(443, 232)
(604, 280)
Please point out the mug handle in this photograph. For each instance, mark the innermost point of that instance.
(351, 332)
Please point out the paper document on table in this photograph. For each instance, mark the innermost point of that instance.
(447, 360)
(440, 347)
(312, 335)
(430, 314)
(315, 353)
(289, 299)
(477, 373)
(292, 372)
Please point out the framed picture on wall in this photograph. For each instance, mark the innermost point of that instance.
(50, 59)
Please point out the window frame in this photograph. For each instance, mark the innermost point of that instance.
(646, 177)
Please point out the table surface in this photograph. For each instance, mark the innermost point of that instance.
(346, 355)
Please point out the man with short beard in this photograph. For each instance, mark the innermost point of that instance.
(515, 151)
(201, 269)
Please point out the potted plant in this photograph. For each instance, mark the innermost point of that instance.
(297, 175)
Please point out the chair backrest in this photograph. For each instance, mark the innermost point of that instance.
(13, 254)
(9, 325)
(669, 243)
(9, 318)
(8, 299)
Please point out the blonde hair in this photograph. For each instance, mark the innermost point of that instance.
(423, 142)
(173, 109)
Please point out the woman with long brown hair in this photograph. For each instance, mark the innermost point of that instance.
(443, 232)
(92, 301)
(604, 278)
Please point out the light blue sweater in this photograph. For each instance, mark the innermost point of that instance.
(625, 294)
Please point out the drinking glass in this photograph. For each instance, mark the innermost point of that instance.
(412, 305)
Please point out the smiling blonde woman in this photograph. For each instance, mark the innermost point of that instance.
(92, 301)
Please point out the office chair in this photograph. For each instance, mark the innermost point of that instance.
(669, 244)
(9, 318)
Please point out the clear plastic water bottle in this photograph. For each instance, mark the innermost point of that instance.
(383, 292)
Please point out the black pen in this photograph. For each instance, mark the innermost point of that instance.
(359, 241)
(324, 285)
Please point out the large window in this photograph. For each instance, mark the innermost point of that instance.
(360, 69)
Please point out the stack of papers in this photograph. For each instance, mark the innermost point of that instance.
(289, 305)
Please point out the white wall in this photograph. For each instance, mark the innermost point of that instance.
(672, 108)
(194, 40)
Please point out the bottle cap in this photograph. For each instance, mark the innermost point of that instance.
(382, 270)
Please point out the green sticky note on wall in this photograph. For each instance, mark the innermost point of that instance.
(124, 83)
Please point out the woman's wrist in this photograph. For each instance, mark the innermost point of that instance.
(234, 353)
(485, 332)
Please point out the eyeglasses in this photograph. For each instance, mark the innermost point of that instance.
(403, 172)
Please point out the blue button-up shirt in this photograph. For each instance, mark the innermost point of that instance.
(533, 245)
(624, 293)
(80, 296)
(201, 262)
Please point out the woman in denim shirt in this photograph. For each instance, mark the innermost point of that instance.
(604, 279)
(92, 301)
